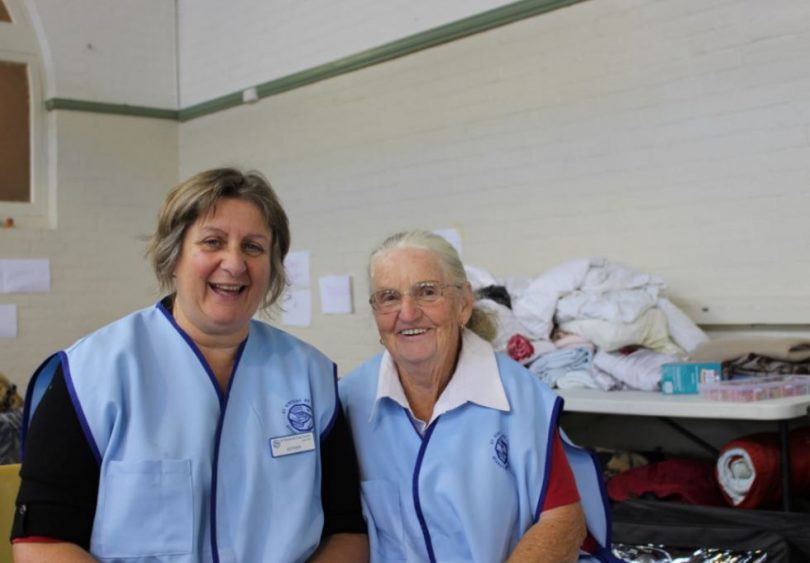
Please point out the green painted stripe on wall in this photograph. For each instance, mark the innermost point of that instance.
(118, 109)
(211, 106)
(443, 34)
(478, 23)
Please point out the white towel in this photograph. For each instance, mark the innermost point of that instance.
(682, 330)
(550, 367)
(735, 473)
(649, 330)
(640, 369)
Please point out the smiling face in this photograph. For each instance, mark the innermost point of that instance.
(222, 273)
(421, 340)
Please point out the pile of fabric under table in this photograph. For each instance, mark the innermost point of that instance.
(749, 468)
(588, 323)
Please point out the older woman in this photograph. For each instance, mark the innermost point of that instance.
(460, 453)
(188, 431)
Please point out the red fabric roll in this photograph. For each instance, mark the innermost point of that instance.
(760, 454)
(679, 479)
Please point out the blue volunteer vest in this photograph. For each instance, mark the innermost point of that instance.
(469, 488)
(188, 473)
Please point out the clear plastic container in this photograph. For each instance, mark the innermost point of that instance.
(756, 388)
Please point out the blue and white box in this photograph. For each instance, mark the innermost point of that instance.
(684, 378)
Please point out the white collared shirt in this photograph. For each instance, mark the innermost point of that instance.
(476, 380)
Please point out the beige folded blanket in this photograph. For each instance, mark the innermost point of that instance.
(787, 349)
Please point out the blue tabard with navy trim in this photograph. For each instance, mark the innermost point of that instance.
(188, 473)
(469, 488)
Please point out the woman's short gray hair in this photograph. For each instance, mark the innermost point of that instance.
(197, 197)
(424, 240)
(480, 321)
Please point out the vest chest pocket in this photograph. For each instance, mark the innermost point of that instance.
(381, 504)
(145, 508)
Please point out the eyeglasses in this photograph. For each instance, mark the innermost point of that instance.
(422, 293)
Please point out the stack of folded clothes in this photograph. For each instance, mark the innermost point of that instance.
(588, 323)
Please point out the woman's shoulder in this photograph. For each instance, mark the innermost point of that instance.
(358, 388)
(360, 376)
(368, 368)
(282, 341)
(117, 331)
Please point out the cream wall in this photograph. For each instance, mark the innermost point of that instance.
(108, 174)
(113, 173)
(104, 175)
(672, 136)
(120, 52)
(224, 49)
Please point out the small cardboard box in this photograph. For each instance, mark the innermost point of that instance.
(685, 377)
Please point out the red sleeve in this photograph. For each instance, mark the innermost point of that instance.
(562, 488)
(35, 539)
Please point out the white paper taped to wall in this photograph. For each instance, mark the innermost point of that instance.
(8, 321)
(297, 307)
(297, 265)
(336, 294)
(25, 275)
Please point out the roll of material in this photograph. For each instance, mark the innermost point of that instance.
(749, 468)
(677, 479)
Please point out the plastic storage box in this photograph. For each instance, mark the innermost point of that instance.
(757, 388)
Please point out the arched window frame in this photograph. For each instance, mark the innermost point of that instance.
(19, 44)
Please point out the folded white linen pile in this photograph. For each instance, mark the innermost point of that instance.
(611, 307)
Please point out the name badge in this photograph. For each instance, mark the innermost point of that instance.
(292, 444)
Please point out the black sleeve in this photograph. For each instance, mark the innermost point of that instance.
(59, 474)
(340, 485)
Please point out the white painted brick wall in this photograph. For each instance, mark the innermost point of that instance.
(226, 48)
(671, 136)
(120, 52)
(113, 173)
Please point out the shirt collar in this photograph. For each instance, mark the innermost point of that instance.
(476, 380)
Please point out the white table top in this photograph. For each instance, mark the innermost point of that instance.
(643, 403)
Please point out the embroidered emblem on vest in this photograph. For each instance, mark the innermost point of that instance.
(500, 445)
(299, 416)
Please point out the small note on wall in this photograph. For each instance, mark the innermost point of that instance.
(297, 300)
(297, 307)
(25, 275)
(336, 294)
(8, 321)
(297, 265)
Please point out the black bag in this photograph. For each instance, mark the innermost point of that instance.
(784, 536)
